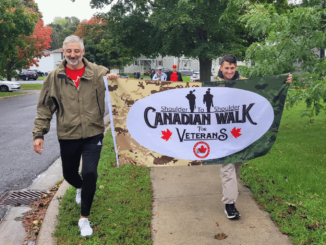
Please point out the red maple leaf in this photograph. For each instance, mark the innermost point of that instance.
(202, 149)
(166, 134)
(236, 132)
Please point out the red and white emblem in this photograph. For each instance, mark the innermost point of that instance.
(201, 149)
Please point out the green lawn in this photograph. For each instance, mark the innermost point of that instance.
(5, 94)
(41, 78)
(121, 212)
(290, 181)
(31, 86)
(186, 78)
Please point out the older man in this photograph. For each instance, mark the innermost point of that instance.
(230, 172)
(75, 91)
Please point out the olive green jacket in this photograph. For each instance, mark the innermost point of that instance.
(79, 112)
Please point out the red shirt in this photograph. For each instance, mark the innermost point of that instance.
(75, 75)
(174, 77)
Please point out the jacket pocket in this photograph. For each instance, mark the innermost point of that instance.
(44, 99)
(98, 104)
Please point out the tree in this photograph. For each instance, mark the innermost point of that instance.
(291, 41)
(34, 47)
(102, 48)
(61, 28)
(17, 21)
(168, 27)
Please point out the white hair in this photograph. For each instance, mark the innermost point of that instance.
(73, 39)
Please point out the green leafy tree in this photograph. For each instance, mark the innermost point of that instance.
(168, 27)
(101, 47)
(292, 43)
(17, 21)
(61, 28)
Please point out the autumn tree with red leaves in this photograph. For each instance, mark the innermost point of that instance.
(25, 38)
(37, 44)
(101, 47)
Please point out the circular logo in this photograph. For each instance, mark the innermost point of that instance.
(201, 149)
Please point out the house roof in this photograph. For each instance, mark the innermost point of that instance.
(59, 50)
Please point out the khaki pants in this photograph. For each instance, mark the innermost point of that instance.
(229, 177)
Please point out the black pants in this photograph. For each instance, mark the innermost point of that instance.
(90, 150)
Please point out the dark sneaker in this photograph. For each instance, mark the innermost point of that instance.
(231, 211)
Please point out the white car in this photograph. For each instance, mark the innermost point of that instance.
(196, 77)
(8, 86)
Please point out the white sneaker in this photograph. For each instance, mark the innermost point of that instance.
(85, 227)
(78, 196)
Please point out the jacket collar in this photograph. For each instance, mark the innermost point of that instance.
(235, 77)
(88, 74)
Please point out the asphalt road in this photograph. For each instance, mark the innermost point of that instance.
(19, 164)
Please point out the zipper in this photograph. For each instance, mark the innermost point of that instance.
(99, 108)
(45, 97)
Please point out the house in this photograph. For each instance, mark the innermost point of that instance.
(143, 63)
(47, 64)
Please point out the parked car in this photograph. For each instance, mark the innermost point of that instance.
(196, 77)
(27, 75)
(8, 86)
(165, 70)
(123, 75)
(39, 73)
(186, 71)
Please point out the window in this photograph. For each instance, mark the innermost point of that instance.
(136, 63)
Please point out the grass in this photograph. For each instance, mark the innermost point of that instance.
(186, 78)
(31, 86)
(41, 78)
(290, 181)
(121, 212)
(5, 94)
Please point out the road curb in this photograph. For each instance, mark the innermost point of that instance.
(13, 96)
(50, 222)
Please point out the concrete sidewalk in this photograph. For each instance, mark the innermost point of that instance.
(187, 205)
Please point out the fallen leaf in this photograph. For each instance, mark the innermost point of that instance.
(101, 186)
(304, 216)
(110, 209)
(217, 224)
(300, 203)
(155, 231)
(35, 222)
(220, 236)
(96, 228)
(311, 197)
(127, 201)
(252, 227)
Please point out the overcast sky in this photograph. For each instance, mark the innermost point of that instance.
(66, 8)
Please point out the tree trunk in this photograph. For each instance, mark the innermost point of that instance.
(205, 67)
(9, 71)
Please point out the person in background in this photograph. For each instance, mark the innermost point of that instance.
(174, 76)
(159, 75)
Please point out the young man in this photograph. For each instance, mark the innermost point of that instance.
(230, 172)
(174, 76)
(75, 91)
(159, 75)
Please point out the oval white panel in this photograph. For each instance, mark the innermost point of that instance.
(237, 118)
